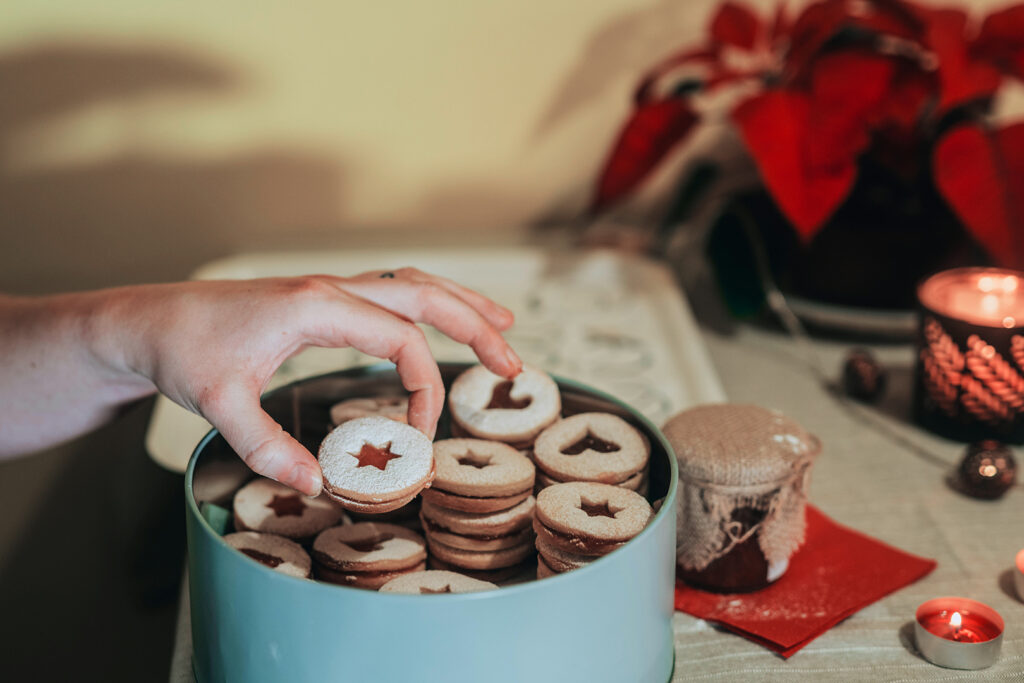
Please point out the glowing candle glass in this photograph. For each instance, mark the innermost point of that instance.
(970, 364)
(958, 633)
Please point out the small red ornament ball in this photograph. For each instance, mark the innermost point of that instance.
(988, 469)
(863, 376)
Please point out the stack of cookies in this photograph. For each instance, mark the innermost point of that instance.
(367, 554)
(578, 522)
(477, 514)
(597, 447)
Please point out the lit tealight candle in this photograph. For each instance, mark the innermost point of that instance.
(958, 633)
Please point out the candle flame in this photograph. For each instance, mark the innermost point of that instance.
(1010, 283)
(990, 303)
(955, 620)
(986, 284)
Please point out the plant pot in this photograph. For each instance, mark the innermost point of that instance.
(882, 241)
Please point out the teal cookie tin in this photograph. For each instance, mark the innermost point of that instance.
(609, 622)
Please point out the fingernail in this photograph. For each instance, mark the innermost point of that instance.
(514, 360)
(307, 481)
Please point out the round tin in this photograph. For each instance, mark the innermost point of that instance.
(607, 622)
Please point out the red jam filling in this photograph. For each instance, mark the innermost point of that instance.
(502, 399)
(372, 456)
(288, 505)
(593, 443)
(263, 558)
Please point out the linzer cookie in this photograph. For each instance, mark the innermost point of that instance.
(487, 406)
(579, 520)
(391, 407)
(266, 506)
(367, 554)
(435, 582)
(373, 464)
(479, 476)
(479, 531)
(276, 552)
(598, 447)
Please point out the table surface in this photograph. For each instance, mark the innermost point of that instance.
(878, 474)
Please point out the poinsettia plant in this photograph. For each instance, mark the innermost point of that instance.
(821, 88)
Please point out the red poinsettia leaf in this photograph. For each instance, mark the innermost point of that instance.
(774, 127)
(651, 132)
(847, 87)
(962, 78)
(735, 24)
(981, 175)
(1001, 40)
(813, 27)
(781, 24)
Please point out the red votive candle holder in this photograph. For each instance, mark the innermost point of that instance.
(969, 377)
(958, 633)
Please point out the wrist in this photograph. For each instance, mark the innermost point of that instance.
(111, 336)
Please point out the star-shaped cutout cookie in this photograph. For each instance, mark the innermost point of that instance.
(288, 505)
(597, 509)
(471, 459)
(374, 456)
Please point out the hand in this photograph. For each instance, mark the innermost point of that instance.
(212, 347)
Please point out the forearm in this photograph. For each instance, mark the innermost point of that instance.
(58, 376)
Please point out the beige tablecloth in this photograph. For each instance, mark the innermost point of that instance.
(867, 480)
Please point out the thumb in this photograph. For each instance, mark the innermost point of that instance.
(264, 446)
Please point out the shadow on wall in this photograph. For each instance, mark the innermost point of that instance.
(136, 218)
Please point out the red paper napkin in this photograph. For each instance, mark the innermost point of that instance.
(835, 573)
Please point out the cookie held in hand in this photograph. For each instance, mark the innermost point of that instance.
(374, 464)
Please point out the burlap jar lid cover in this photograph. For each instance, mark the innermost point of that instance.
(739, 456)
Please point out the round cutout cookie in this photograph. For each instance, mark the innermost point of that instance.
(481, 469)
(561, 560)
(481, 524)
(454, 501)
(369, 547)
(488, 559)
(375, 464)
(269, 507)
(487, 406)
(598, 512)
(368, 580)
(634, 483)
(544, 570)
(478, 543)
(597, 447)
(277, 552)
(392, 407)
(435, 582)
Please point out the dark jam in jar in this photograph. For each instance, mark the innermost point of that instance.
(742, 569)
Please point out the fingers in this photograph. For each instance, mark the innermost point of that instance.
(262, 444)
(495, 314)
(377, 332)
(431, 303)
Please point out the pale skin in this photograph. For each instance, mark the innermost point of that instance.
(68, 362)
